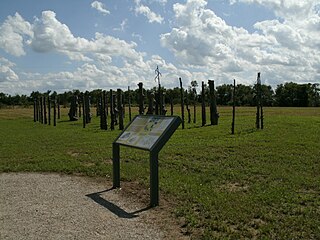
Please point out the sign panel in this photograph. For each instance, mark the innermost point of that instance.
(144, 131)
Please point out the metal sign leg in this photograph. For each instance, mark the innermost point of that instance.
(116, 165)
(154, 179)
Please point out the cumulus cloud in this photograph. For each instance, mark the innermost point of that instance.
(13, 32)
(100, 7)
(284, 50)
(6, 72)
(146, 11)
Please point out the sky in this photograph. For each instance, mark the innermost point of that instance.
(64, 45)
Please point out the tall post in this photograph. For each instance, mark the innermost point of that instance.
(129, 103)
(120, 108)
(258, 98)
(112, 110)
(44, 110)
(41, 109)
(38, 109)
(233, 106)
(83, 110)
(203, 106)
(141, 98)
(182, 103)
(214, 115)
(49, 109)
(54, 110)
(187, 107)
(87, 107)
(194, 113)
(102, 111)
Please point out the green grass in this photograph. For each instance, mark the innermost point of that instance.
(261, 184)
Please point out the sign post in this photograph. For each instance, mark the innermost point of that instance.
(149, 133)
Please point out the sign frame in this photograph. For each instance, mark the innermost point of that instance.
(163, 134)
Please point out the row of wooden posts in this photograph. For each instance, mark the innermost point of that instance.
(156, 106)
(42, 106)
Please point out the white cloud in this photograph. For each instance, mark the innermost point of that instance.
(6, 72)
(100, 7)
(12, 33)
(146, 11)
(123, 25)
(282, 51)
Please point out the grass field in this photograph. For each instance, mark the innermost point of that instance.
(262, 184)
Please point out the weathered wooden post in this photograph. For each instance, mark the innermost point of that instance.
(41, 109)
(44, 110)
(187, 107)
(73, 111)
(87, 107)
(120, 108)
(214, 115)
(258, 100)
(203, 106)
(129, 103)
(233, 106)
(141, 98)
(112, 115)
(38, 109)
(150, 97)
(182, 103)
(54, 110)
(84, 120)
(49, 109)
(102, 111)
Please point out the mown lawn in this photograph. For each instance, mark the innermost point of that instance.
(262, 184)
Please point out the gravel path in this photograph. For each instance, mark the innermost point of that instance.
(52, 206)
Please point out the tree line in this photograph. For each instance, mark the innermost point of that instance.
(285, 95)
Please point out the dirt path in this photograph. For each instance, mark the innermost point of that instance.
(52, 206)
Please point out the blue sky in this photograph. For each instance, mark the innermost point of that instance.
(65, 45)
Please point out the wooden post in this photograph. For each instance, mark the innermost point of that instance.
(187, 107)
(49, 110)
(214, 115)
(83, 110)
(34, 109)
(120, 108)
(258, 98)
(203, 106)
(129, 103)
(112, 110)
(41, 109)
(141, 98)
(87, 107)
(233, 106)
(102, 111)
(54, 110)
(182, 103)
(44, 110)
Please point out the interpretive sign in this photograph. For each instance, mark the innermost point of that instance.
(146, 132)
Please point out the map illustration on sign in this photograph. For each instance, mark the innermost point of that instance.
(144, 131)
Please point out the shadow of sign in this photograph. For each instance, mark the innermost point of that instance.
(121, 213)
